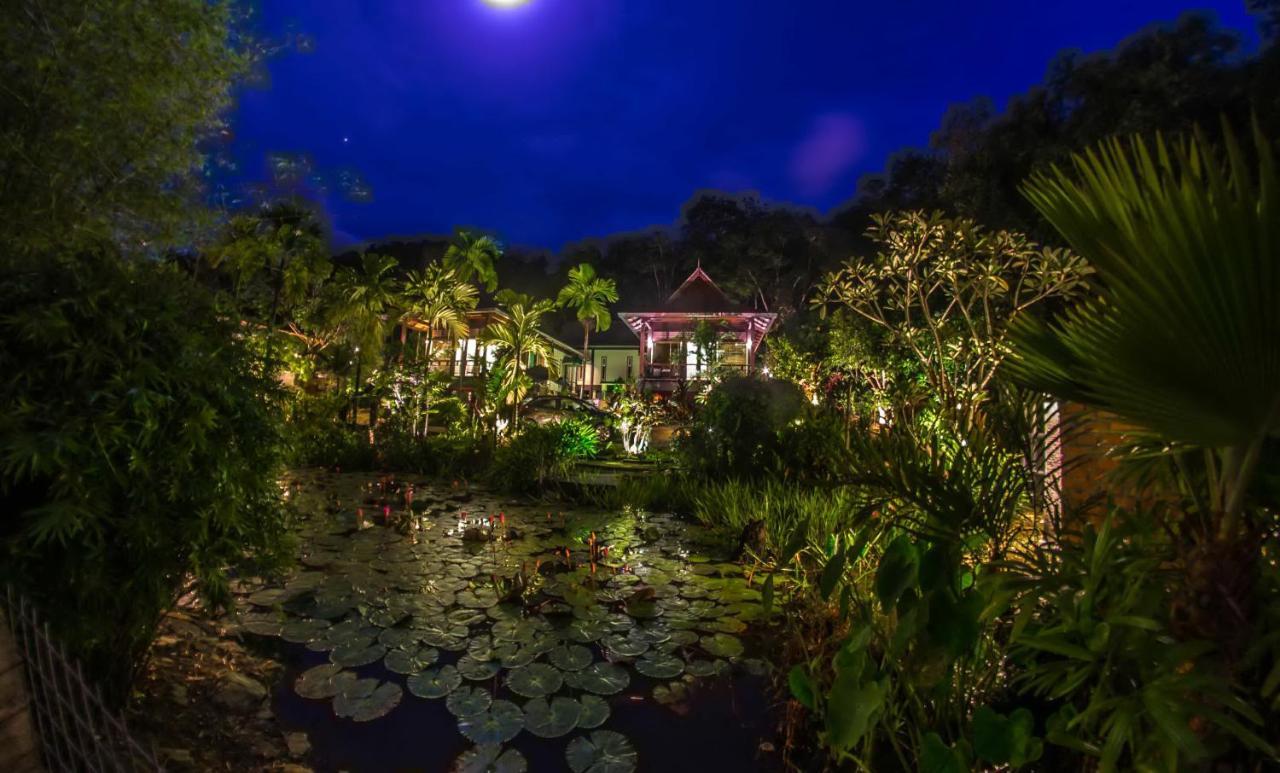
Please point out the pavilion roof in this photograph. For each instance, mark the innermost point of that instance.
(700, 295)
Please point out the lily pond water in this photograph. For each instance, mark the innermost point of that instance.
(438, 628)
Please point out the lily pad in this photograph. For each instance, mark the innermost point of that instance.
(477, 670)
(303, 631)
(551, 719)
(491, 758)
(595, 711)
(480, 598)
(601, 678)
(727, 625)
(263, 627)
(500, 723)
(660, 665)
(722, 645)
(435, 682)
(358, 655)
(512, 655)
(604, 751)
(671, 693)
(365, 708)
(624, 646)
(535, 680)
(705, 667)
(468, 701)
(399, 638)
(586, 631)
(570, 657)
(520, 631)
(406, 662)
(316, 683)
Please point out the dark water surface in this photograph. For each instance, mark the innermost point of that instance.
(645, 592)
(720, 729)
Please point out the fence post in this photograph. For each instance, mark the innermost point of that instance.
(19, 746)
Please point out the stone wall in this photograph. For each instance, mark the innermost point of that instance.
(19, 745)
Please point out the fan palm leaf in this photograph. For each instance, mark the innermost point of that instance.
(1183, 338)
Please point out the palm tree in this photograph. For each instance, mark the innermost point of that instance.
(362, 301)
(516, 339)
(1183, 337)
(278, 252)
(588, 294)
(472, 256)
(436, 298)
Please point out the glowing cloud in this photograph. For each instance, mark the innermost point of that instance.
(835, 142)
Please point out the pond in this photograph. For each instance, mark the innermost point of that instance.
(440, 628)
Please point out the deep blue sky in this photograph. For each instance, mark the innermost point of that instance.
(564, 119)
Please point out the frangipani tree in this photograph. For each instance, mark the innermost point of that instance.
(1183, 338)
(589, 295)
(947, 289)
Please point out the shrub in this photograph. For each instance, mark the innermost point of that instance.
(453, 455)
(579, 438)
(524, 463)
(139, 451)
(318, 438)
(753, 429)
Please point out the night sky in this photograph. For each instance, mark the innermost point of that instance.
(564, 119)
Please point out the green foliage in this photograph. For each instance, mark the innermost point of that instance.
(1182, 339)
(782, 506)
(317, 438)
(516, 339)
(1093, 635)
(589, 295)
(946, 290)
(532, 455)
(579, 437)
(1005, 740)
(748, 429)
(474, 256)
(103, 111)
(361, 300)
(139, 450)
(856, 697)
(937, 757)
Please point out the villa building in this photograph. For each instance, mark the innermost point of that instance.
(469, 359)
(656, 350)
(668, 353)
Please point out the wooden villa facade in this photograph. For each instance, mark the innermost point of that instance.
(668, 353)
(470, 359)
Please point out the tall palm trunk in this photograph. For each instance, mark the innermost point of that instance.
(426, 419)
(586, 354)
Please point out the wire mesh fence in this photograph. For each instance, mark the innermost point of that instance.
(77, 730)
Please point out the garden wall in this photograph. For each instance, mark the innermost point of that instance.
(1087, 464)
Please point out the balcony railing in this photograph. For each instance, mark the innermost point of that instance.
(667, 372)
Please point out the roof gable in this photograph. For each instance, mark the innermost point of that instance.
(700, 295)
